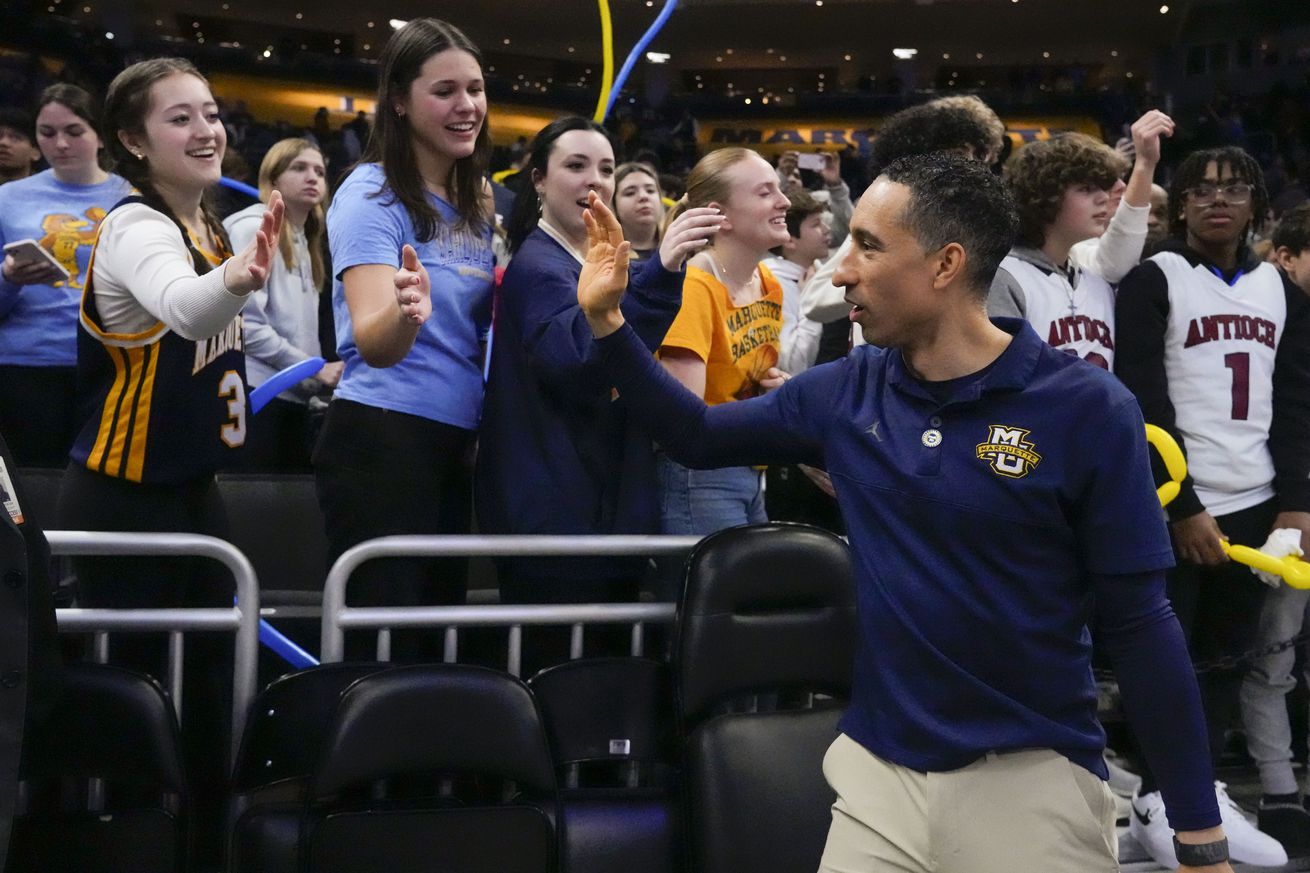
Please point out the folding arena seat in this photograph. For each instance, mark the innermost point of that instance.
(118, 727)
(434, 767)
(279, 527)
(766, 610)
(610, 725)
(281, 745)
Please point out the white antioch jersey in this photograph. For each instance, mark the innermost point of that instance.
(1078, 320)
(1220, 344)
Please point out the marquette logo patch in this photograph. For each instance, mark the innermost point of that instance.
(1009, 453)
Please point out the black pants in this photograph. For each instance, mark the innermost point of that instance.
(90, 501)
(1219, 610)
(38, 413)
(382, 473)
(277, 440)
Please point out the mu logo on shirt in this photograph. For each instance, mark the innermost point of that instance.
(1008, 452)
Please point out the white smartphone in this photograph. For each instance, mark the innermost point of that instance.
(28, 251)
(810, 161)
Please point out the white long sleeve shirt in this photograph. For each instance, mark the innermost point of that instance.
(143, 275)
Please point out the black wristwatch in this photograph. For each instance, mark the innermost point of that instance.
(1201, 854)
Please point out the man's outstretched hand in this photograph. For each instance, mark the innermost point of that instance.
(604, 274)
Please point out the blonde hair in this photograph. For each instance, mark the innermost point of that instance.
(708, 182)
(275, 163)
(626, 169)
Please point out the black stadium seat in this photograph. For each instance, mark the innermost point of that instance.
(116, 726)
(280, 747)
(434, 767)
(766, 610)
(276, 521)
(610, 724)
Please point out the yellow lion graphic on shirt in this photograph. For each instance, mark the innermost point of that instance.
(65, 233)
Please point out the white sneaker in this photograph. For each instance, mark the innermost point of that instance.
(1123, 782)
(1150, 828)
(1245, 843)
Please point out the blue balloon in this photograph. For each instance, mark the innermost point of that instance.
(242, 187)
(285, 647)
(637, 50)
(281, 381)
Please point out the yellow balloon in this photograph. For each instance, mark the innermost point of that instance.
(1174, 462)
(1292, 570)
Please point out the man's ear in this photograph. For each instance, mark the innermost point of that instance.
(950, 261)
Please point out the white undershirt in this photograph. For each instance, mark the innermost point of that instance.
(143, 274)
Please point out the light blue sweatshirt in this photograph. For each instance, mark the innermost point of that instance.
(38, 323)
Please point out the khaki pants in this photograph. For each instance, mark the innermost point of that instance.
(1019, 812)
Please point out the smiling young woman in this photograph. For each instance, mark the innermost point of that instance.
(60, 209)
(724, 344)
(557, 453)
(161, 379)
(410, 236)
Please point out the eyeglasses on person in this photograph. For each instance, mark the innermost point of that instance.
(1205, 193)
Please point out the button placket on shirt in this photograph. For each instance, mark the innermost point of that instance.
(931, 441)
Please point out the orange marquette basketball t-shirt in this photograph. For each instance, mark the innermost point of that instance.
(737, 343)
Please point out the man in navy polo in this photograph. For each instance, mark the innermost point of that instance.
(995, 491)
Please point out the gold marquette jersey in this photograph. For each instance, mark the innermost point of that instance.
(163, 409)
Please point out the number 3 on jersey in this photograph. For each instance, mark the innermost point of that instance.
(233, 387)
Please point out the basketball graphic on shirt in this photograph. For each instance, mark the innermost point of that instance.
(65, 233)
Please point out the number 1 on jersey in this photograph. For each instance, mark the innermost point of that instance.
(1240, 364)
(233, 387)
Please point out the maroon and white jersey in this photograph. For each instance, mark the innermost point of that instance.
(1219, 349)
(1077, 319)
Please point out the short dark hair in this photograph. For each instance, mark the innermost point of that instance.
(928, 128)
(954, 199)
(17, 119)
(1293, 230)
(1040, 173)
(76, 100)
(1191, 172)
(803, 205)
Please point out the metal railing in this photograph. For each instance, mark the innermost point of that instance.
(242, 618)
(338, 617)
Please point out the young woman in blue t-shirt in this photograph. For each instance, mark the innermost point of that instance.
(60, 210)
(410, 236)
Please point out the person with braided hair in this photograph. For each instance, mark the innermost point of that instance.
(161, 378)
(1216, 347)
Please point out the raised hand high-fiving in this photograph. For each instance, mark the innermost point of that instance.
(604, 275)
(247, 270)
(413, 288)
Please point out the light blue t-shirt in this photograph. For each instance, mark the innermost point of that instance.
(441, 377)
(38, 323)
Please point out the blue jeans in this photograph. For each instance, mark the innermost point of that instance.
(698, 502)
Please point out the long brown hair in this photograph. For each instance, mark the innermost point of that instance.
(389, 144)
(275, 163)
(127, 103)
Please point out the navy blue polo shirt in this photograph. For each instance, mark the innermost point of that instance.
(977, 519)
